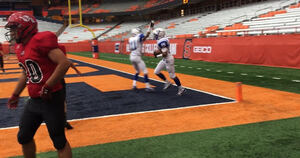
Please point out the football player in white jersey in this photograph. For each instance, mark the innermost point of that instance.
(135, 46)
(167, 62)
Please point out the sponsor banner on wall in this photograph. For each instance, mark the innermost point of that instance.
(187, 51)
(150, 47)
(202, 49)
(117, 48)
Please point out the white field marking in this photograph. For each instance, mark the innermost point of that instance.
(219, 71)
(117, 58)
(259, 76)
(190, 67)
(175, 65)
(276, 78)
(230, 72)
(157, 80)
(199, 68)
(207, 69)
(182, 66)
(244, 74)
(134, 113)
(296, 80)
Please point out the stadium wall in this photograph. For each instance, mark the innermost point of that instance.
(271, 50)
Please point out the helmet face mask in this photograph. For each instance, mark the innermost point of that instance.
(11, 35)
(20, 26)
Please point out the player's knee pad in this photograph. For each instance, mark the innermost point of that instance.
(172, 75)
(23, 138)
(59, 142)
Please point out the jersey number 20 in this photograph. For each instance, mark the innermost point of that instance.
(33, 70)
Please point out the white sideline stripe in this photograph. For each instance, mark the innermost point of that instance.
(190, 67)
(219, 71)
(199, 68)
(296, 80)
(244, 74)
(259, 76)
(133, 113)
(207, 69)
(230, 72)
(276, 78)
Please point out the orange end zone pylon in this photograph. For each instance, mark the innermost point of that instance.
(239, 94)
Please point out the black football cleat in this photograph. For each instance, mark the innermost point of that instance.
(68, 126)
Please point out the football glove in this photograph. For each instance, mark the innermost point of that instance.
(45, 92)
(155, 54)
(13, 101)
(152, 23)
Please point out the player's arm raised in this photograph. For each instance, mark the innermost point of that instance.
(150, 28)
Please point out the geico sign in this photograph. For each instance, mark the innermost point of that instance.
(202, 49)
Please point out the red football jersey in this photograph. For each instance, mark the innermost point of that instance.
(1, 49)
(33, 58)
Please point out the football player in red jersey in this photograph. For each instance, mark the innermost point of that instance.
(44, 66)
(1, 58)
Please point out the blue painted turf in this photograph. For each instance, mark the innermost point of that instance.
(86, 101)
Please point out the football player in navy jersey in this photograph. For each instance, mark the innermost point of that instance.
(44, 66)
(135, 46)
(167, 62)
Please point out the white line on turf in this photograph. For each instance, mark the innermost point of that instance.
(276, 78)
(133, 113)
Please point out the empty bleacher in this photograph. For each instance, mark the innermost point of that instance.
(267, 17)
(277, 20)
(210, 23)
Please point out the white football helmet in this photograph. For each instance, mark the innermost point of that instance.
(135, 31)
(159, 33)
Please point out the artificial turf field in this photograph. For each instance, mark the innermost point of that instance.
(265, 139)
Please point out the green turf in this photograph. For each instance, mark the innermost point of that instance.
(273, 139)
(211, 70)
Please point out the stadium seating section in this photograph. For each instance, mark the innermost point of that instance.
(267, 17)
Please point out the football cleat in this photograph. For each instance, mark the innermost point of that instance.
(149, 89)
(167, 85)
(134, 88)
(181, 90)
(68, 126)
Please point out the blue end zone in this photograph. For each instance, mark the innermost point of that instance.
(86, 101)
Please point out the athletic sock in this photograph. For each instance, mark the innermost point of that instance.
(162, 76)
(177, 81)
